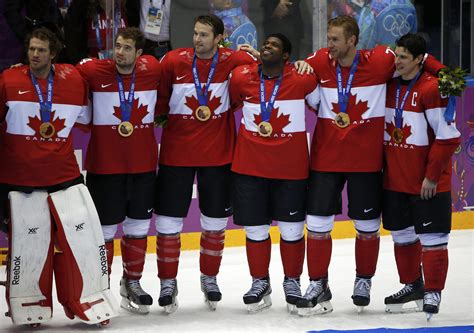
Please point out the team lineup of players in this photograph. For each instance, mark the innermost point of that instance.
(381, 130)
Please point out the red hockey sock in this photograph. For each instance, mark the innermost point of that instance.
(109, 247)
(435, 268)
(133, 257)
(212, 246)
(258, 257)
(168, 248)
(292, 257)
(319, 254)
(408, 259)
(366, 253)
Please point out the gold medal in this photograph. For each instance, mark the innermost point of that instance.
(342, 120)
(202, 113)
(125, 128)
(265, 129)
(397, 135)
(47, 130)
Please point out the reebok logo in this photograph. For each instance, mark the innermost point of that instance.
(16, 271)
(368, 210)
(103, 260)
(425, 224)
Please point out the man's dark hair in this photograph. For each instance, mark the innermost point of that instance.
(212, 20)
(284, 40)
(348, 24)
(413, 43)
(45, 34)
(134, 34)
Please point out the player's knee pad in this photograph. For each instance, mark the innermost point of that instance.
(367, 226)
(404, 236)
(135, 228)
(291, 231)
(320, 224)
(30, 259)
(80, 265)
(212, 223)
(109, 232)
(434, 239)
(168, 225)
(257, 233)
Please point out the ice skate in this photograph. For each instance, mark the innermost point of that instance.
(258, 297)
(168, 293)
(316, 300)
(361, 294)
(400, 301)
(134, 298)
(292, 289)
(211, 291)
(431, 301)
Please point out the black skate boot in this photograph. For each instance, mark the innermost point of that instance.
(134, 298)
(316, 300)
(431, 301)
(260, 291)
(168, 293)
(361, 294)
(292, 289)
(411, 292)
(211, 291)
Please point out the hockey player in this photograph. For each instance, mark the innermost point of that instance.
(271, 165)
(52, 222)
(347, 148)
(418, 146)
(122, 154)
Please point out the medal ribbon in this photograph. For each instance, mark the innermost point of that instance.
(126, 105)
(45, 107)
(343, 94)
(266, 109)
(399, 106)
(117, 21)
(200, 92)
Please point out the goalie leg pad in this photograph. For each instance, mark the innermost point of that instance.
(81, 263)
(30, 259)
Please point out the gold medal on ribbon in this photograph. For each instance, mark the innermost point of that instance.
(47, 130)
(342, 120)
(265, 129)
(397, 135)
(125, 128)
(202, 113)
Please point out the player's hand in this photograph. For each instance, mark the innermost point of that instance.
(428, 189)
(303, 67)
(249, 48)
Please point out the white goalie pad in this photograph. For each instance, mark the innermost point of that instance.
(75, 214)
(30, 241)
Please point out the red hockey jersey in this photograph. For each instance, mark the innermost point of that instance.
(283, 155)
(428, 140)
(186, 141)
(28, 159)
(109, 152)
(358, 147)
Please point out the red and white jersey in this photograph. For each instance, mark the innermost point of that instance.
(28, 159)
(428, 140)
(109, 152)
(283, 155)
(93, 47)
(358, 147)
(187, 141)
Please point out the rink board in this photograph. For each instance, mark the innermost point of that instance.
(450, 329)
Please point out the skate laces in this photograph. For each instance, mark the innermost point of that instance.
(167, 287)
(432, 298)
(134, 287)
(409, 288)
(209, 284)
(259, 286)
(292, 287)
(315, 288)
(362, 287)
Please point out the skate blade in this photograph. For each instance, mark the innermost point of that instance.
(319, 309)
(210, 304)
(169, 309)
(291, 308)
(400, 308)
(257, 307)
(360, 309)
(133, 307)
(102, 324)
(429, 316)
